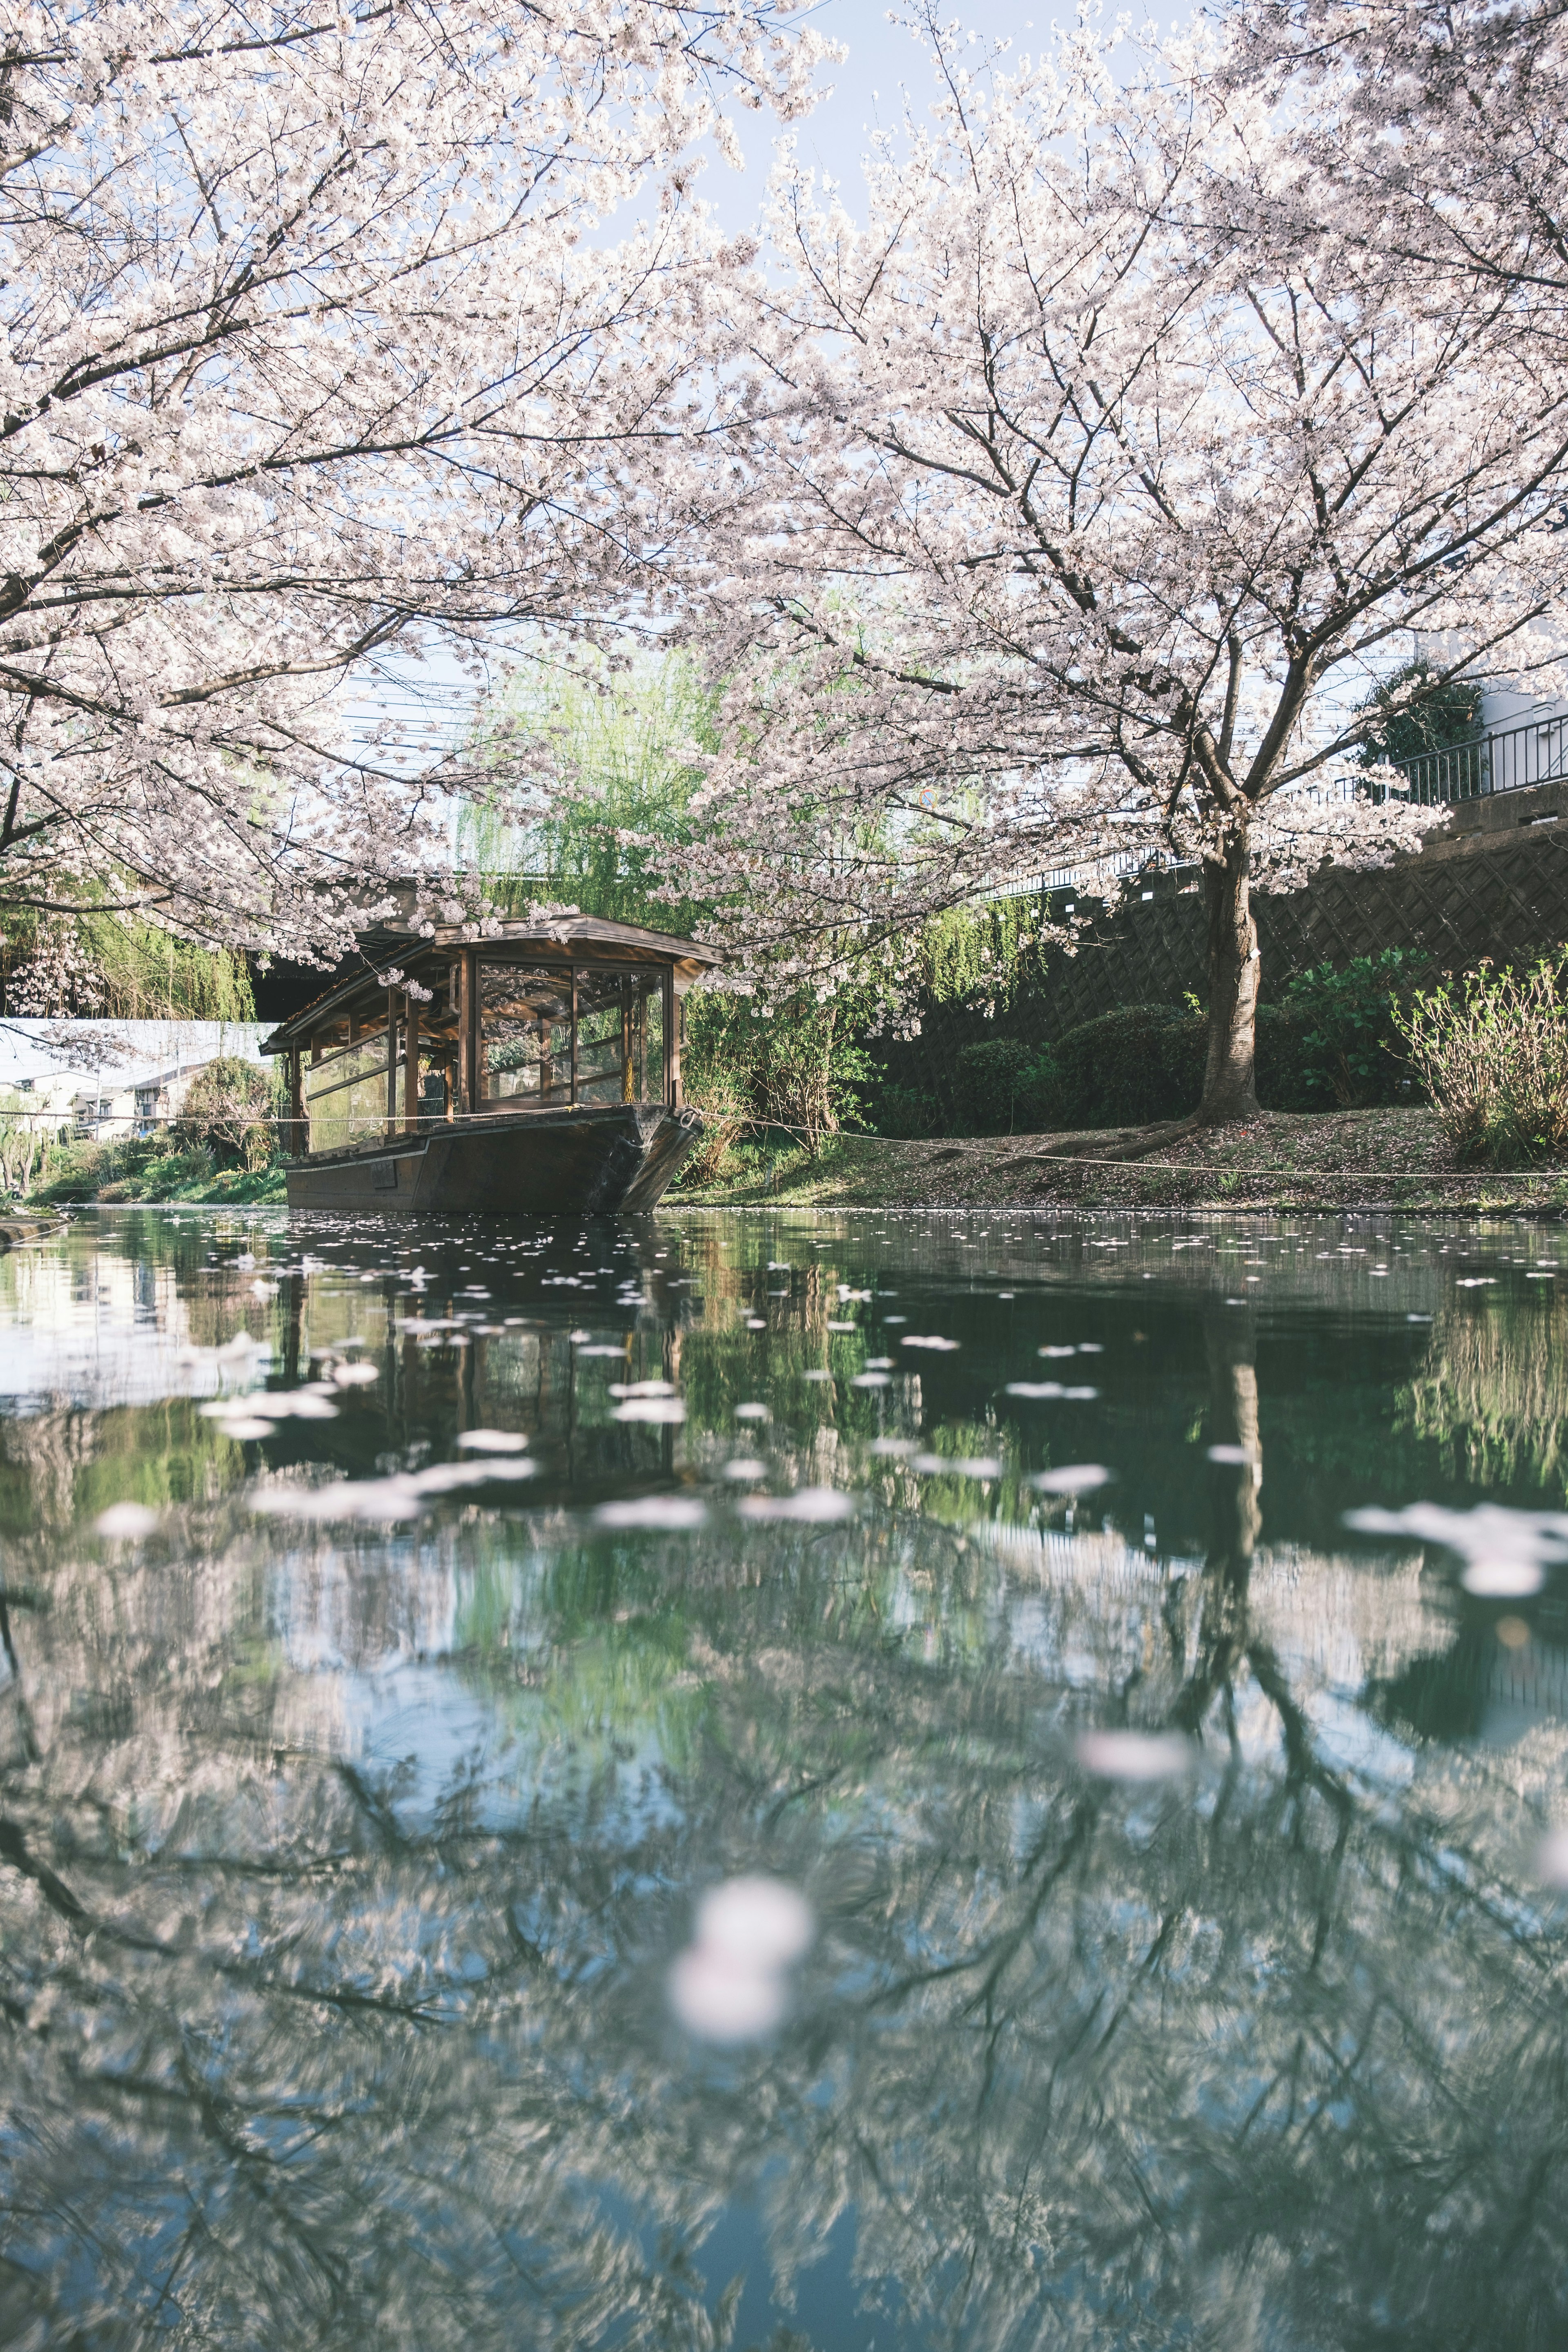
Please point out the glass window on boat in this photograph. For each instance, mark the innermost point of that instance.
(620, 1035)
(345, 1087)
(534, 1055)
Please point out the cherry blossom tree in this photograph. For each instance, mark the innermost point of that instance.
(1447, 122)
(319, 361)
(1078, 501)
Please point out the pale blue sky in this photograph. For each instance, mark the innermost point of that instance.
(868, 92)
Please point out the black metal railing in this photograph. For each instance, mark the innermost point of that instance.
(1509, 760)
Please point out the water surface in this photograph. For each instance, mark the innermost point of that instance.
(361, 1784)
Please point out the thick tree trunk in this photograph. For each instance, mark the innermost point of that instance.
(1229, 1090)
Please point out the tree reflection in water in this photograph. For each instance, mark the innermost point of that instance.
(343, 1868)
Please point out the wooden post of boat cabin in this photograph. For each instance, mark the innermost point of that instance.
(573, 1097)
(391, 1123)
(671, 1040)
(629, 1092)
(294, 1140)
(468, 1030)
(410, 1064)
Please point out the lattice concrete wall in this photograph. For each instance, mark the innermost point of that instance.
(1496, 885)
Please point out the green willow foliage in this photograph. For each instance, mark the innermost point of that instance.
(982, 954)
(126, 969)
(621, 744)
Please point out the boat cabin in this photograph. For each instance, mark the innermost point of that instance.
(572, 1014)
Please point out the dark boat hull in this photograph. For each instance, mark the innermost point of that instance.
(539, 1163)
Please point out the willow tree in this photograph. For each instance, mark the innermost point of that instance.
(1075, 504)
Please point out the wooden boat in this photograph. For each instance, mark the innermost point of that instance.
(533, 1071)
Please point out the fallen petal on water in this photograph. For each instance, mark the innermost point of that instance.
(341, 1498)
(1073, 1478)
(757, 1923)
(126, 1522)
(717, 2001)
(1503, 1579)
(1136, 1755)
(810, 1503)
(1551, 1859)
(493, 1441)
(671, 1511)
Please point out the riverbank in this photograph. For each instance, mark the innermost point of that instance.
(111, 1173)
(1343, 1160)
(15, 1230)
(1338, 1160)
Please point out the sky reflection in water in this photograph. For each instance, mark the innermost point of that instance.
(641, 1785)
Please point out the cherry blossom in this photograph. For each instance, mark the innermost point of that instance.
(320, 362)
(1065, 514)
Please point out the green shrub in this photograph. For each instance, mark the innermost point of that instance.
(1145, 1062)
(1334, 1041)
(74, 1171)
(1352, 1053)
(909, 1112)
(1492, 1051)
(1137, 1062)
(995, 1085)
(796, 1064)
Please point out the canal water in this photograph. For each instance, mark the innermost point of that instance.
(784, 1780)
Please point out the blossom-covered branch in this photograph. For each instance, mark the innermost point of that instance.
(317, 358)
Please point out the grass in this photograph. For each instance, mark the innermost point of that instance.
(150, 1171)
(1333, 1160)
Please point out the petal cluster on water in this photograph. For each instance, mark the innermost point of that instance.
(1506, 1553)
(731, 1985)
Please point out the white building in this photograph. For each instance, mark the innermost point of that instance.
(111, 1080)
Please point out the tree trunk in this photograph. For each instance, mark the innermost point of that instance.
(1229, 1090)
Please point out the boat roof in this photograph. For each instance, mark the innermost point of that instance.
(553, 936)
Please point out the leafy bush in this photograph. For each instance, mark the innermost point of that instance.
(798, 1066)
(998, 1085)
(1492, 1050)
(232, 1107)
(1145, 1062)
(1351, 1049)
(910, 1112)
(1137, 1062)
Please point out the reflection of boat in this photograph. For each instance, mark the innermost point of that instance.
(534, 1070)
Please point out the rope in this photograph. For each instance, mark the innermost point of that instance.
(1214, 1167)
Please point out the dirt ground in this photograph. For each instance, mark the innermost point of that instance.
(1344, 1160)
